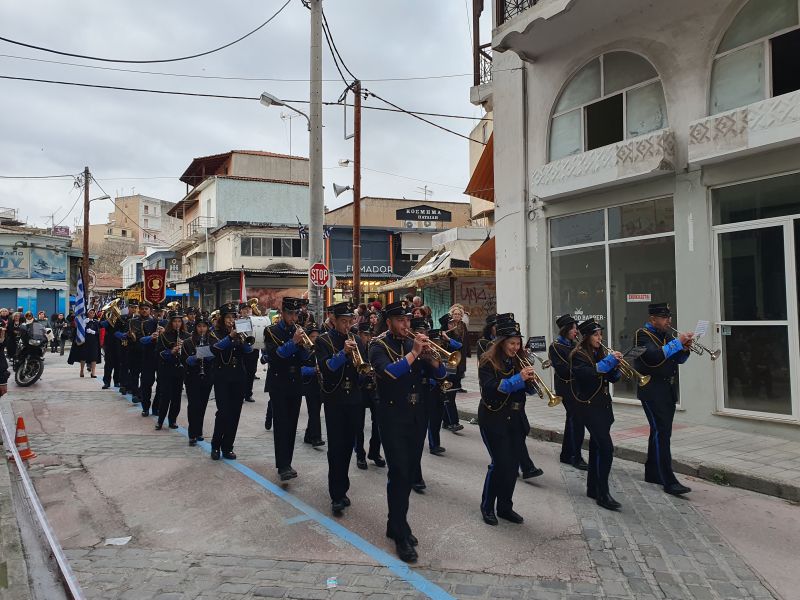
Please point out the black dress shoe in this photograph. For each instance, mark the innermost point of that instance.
(249, 399)
(346, 501)
(200, 438)
(607, 502)
(286, 474)
(677, 489)
(159, 426)
(437, 451)
(145, 413)
(456, 427)
(105, 386)
(361, 462)
(337, 506)
(317, 443)
(173, 425)
(193, 441)
(412, 539)
(268, 424)
(534, 472)
(419, 487)
(510, 515)
(292, 471)
(405, 551)
(378, 460)
(489, 517)
(214, 454)
(581, 465)
(231, 455)
(123, 391)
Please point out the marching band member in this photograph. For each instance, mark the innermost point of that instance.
(311, 392)
(558, 353)
(285, 356)
(431, 396)
(121, 334)
(135, 331)
(191, 320)
(591, 370)
(501, 415)
(229, 381)
(487, 337)
(110, 355)
(368, 393)
(400, 374)
(660, 360)
(146, 332)
(169, 348)
(251, 360)
(341, 395)
(452, 323)
(199, 377)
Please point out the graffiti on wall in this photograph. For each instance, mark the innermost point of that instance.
(479, 299)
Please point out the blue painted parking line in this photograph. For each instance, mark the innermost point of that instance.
(395, 565)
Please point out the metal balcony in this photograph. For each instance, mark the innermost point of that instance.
(506, 9)
(199, 225)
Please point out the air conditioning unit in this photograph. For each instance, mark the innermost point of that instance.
(410, 224)
(427, 224)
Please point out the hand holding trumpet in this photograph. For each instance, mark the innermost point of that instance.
(350, 347)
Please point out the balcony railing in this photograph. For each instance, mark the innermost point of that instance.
(506, 9)
(483, 64)
(199, 225)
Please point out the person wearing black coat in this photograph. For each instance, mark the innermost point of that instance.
(504, 385)
(660, 361)
(199, 378)
(591, 370)
(171, 370)
(89, 351)
(558, 353)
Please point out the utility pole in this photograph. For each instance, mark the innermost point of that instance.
(357, 193)
(85, 262)
(317, 205)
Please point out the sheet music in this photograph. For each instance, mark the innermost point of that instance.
(203, 352)
(244, 326)
(701, 329)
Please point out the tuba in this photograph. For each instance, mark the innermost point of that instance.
(253, 302)
(174, 305)
(112, 311)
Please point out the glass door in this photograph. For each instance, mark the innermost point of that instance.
(757, 293)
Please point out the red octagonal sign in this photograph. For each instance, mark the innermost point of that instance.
(319, 274)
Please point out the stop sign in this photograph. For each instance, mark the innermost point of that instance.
(319, 274)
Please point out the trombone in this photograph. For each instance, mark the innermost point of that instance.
(628, 371)
(541, 386)
(451, 359)
(699, 348)
(362, 366)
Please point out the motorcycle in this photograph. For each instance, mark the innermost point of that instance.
(29, 359)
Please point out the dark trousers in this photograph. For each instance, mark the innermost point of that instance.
(572, 443)
(403, 440)
(229, 395)
(374, 438)
(435, 409)
(111, 365)
(251, 366)
(450, 416)
(148, 378)
(270, 413)
(525, 462)
(198, 390)
(598, 420)
(134, 369)
(660, 414)
(170, 388)
(314, 425)
(501, 475)
(341, 422)
(286, 408)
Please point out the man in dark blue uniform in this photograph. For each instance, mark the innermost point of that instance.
(147, 332)
(660, 360)
(121, 331)
(251, 359)
(341, 395)
(558, 353)
(191, 320)
(368, 393)
(312, 392)
(400, 373)
(110, 353)
(285, 354)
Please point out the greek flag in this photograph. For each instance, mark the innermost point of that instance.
(303, 231)
(80, 312)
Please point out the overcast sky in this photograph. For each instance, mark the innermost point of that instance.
(145, 141)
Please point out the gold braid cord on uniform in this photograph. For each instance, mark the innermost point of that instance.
(498, 372)
(600, 378)
(566, 359)
(656, 341)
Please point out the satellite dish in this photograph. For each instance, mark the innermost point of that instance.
(339, 189)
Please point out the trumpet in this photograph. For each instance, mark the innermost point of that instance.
(541, 386)
(362, 366)
(628, 371)
(699, 348)
(305, 341)
(544, 362)
(451, 359)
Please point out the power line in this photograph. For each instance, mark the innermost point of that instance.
(37, 176)
(164, 60)
(132, 220)
(231, 77)
(334, 49)
(74, 204)
(220, 96)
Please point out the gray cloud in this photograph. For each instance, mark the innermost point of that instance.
(56, 129)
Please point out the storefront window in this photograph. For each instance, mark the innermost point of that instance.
(579, 283)
(641, 218)
(762, 199)
(574, 230)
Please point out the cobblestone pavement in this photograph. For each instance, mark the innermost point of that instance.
(103, 472)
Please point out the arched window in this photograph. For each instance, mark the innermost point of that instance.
(614, 97)
(759, 56)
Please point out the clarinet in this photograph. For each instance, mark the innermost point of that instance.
(202, 360)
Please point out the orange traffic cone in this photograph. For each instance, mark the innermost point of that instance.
(22, 438)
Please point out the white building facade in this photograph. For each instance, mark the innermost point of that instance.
(651, 152)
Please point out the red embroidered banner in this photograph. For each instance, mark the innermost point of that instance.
(155, 285)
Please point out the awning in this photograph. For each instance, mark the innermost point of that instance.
(484, 257)
(436, 265)
(481, 184)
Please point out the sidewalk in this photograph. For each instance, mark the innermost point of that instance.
(768, 465)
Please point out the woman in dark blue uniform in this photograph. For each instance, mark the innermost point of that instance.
(591, 370)
(169, 348)
(230, 378)
(199, 377)
(558, 353)
(87, 353)
(501, 414)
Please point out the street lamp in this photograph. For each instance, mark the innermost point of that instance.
(270, 100)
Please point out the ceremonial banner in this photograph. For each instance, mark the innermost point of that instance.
(155, 285)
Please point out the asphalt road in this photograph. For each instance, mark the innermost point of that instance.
(229, 529)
